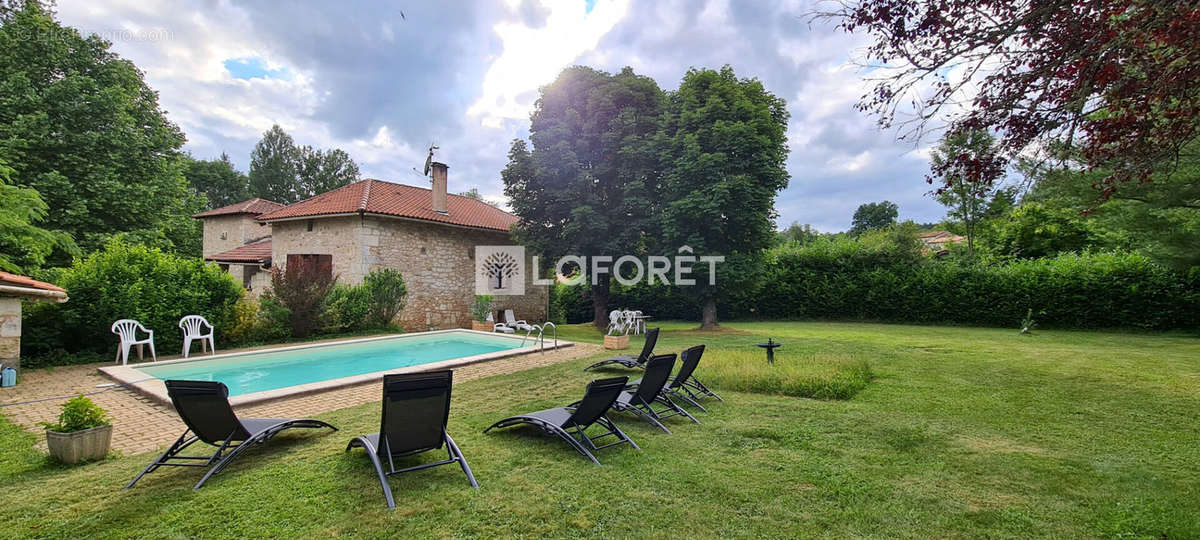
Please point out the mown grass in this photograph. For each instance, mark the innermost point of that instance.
(963, 433)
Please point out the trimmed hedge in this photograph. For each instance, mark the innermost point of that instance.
(127, 282)
(845, 279)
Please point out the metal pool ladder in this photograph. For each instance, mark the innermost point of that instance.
(541, 340)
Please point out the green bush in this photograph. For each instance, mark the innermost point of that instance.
(878, 278)
(128, 282)
(78, 414)
(386, 296)
(301, 288)
(481, 307)
(347, 309)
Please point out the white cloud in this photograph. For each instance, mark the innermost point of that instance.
(532, 57)
(464, 74)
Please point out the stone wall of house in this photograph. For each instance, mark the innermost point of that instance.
(223, 233)
(336, 236)
(259, 281)
(10, 332)
(438, 264)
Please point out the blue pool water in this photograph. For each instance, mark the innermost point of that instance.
(256, 372)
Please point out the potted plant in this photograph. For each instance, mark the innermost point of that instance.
(481, 309)
(83, 432)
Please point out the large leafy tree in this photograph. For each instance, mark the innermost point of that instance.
(724, 146)
(1160, 218)
(79, 125)
(1119, 79)
(323, 170)
(218, 180)
(24, 245)
(585, 187)
(870, 216)
(273, 164)
(285, 173)
(968, 203)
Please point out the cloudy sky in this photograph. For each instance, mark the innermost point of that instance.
(384, 80)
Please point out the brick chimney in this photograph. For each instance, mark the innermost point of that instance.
(439, 187)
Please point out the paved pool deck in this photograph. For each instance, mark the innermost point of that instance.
(141, 424)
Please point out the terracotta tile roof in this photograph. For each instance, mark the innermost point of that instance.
(254, 206)
(399, 200)
(258, 252)
(28, 282)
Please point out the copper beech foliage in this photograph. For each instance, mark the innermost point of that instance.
(1117, 79)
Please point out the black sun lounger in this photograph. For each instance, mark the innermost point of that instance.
(684, 385)
(416, 407)
(204, 407)
(571, 423)
(650, 391)
(629, 361)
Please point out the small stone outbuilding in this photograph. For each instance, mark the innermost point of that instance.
(14, 290)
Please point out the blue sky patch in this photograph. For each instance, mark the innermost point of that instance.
(253, 68)
(589, 5)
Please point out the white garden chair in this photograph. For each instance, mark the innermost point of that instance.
(616, 322)
(498, 327)
(636, 320)
(127, 330)
(193, 327)
(510, 320)
(631, 322)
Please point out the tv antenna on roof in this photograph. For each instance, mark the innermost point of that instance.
(429, 160)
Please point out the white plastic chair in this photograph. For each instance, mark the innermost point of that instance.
(510, 320)
(193, 328)
(127, 330)
(498, 327)
(639, 324)
(616, 322)
(631, 322)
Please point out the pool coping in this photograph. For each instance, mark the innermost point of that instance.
(154, 388)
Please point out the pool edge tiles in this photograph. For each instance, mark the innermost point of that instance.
(156, 390)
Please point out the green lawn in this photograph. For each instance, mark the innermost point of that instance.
(963, 432)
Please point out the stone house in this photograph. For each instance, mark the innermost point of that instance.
(426, 234)
(15, 289)
(239, 243)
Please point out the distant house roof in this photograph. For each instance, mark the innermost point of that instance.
(15, 285)
(397, 200)
(939, 239)
(258, 252)
(253, 206)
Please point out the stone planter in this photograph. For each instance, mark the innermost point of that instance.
(482, 326)
(87, 445)
(616, 342)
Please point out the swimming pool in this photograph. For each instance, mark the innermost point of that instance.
(259, 375)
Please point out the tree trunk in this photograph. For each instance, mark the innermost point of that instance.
(600, 304)
(708, 317)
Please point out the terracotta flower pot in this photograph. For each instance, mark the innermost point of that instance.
(74, 447)
(481, 326)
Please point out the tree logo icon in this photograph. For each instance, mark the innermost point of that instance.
(500, 270)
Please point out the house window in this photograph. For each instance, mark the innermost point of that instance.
(310, 225)
(224, 267)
